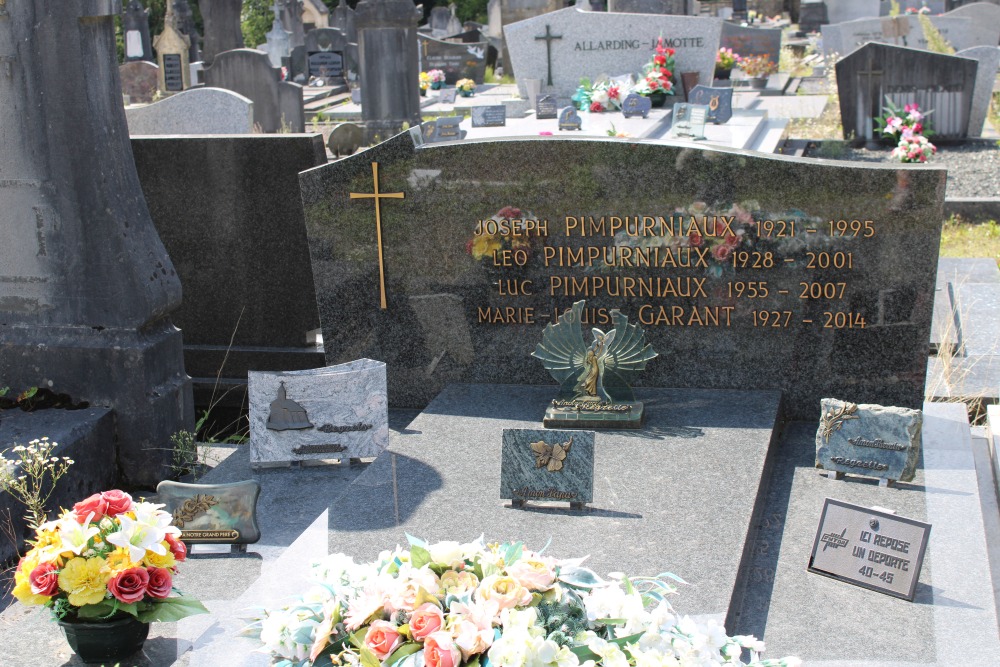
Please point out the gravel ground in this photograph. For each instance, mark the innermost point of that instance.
(973, 168)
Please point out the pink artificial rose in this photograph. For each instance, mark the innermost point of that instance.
(129, 585)
(535, 574)
(44, 579)
(426, 619)
(722, 252)
(440, 650)
(118, 502)
(177, 548)
(382, 639)
(160, 582)
(95, 504)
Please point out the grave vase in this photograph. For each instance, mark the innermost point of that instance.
(436, 85)
(758, 82)
(107, 641)
(723, 74)
(465, 93)
(658, 98)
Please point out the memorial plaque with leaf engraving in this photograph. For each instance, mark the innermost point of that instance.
(491, 116)
(213, 513)
(546, 107)
(547, 465)
(869, 548)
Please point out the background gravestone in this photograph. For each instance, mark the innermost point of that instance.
(276, 103)
(936, 82)
(839, 11)
(581, 46)
(752, 41)
(135, 32)
(345, 139)
(222, 27)
(985, 18)
(842, 38)
(387, 47)
(186, 25)
(812, 15)
(324, 45)
(291, 16)
(648, 6)
(343, 19)
(219, 204)
(932, 6)
(989, 61)
(809, 348)
(456, 60)
(172, 55)
(196, 111)
(506, 12)
(86, 287)
(279, 40)
(140, 80)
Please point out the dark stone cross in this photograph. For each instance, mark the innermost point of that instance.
(548, 37)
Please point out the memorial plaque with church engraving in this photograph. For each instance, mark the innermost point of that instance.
(869, 548)
(748, 271)
(337, 412)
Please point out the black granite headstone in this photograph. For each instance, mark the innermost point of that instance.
(88, 289)
(135, 29)
(277, 104)
(546, 107)
(331, 41)
(718, 100)
(752, 41)
(328, 64)
(812, 15)
(689, 263)
(222, 27)
(213, 197)
(936, 82)
(456, 60)
(491, 116)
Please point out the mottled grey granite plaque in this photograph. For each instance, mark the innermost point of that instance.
(491, 116)
(869, 548)
(213, 513)
(636, 105)
(547, 465)
(546, 107)
(447, 95)
(870, 440)
(337, 412)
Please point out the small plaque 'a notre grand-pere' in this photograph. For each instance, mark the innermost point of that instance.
(547, 465)
(870, 440)
(212, 513)
(869, 548)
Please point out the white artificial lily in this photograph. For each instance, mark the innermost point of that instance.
(75, 535)
(138, 538)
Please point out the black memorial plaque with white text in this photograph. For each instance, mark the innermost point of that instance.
(173, 77)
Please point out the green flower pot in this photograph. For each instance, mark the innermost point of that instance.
(107, 641)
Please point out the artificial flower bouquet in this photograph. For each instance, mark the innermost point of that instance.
(757, 67)
(909, 128)
(106, 557)
(478, 605)
(465, 86)
(725, 60)
(914, 148)
(436, 77)
(425, 82)
(658, 73)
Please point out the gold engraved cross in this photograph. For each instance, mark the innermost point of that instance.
(378, 226)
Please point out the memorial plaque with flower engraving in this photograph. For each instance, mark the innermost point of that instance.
(547, 465)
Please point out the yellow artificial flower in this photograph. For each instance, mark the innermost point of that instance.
(48, 546)
(22, 582)
(118, 561)
(484, 245)
(85, 580)
(155, 560)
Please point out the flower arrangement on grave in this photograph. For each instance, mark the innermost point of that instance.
(106, 558)
(425, 82)
(466, 605)
(725, 60)
(909, 128)
(436, 78)
(465, 87)
(757, 67)
(508, 229)
(658, 75)
(605, 95)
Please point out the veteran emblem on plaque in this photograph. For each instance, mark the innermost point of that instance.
(594, 388)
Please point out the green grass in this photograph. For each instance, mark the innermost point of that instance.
(962, 239)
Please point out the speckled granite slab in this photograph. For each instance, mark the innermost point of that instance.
(336, 412)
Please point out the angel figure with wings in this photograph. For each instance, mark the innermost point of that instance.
(599, 372)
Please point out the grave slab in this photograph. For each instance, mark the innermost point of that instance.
(648, 486)
(799, 106)
(954, 602)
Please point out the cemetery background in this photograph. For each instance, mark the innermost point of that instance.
(771, 605)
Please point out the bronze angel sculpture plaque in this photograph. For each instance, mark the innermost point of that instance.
(594, 380)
